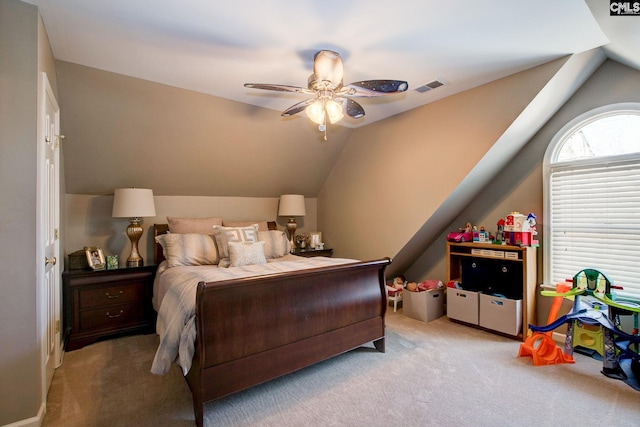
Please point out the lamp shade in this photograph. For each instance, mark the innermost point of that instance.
(133, 203)
(291, 205)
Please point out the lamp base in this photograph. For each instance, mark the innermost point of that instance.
(134, 231)
(291, 229)
(135, 263)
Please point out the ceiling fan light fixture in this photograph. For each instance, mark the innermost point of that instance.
(332, 99)
(315, 112)
(334, 111)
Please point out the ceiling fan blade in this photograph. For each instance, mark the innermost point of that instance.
(370, 88)
(280, 88)
(351, 108)
(296, 108)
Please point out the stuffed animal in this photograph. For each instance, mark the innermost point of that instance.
(428, 285)
(399, 282)
(412, 286)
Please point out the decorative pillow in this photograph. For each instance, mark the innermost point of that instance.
(224, 235)
(245, 253)
(192, 225)
(188, 249)
(262, 225)
(276, 244)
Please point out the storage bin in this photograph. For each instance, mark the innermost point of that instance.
(501, 314)
(462, 305)
(425, 305)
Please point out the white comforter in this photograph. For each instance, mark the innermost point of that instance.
(174, 298)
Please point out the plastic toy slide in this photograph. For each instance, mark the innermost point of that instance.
(539, 345)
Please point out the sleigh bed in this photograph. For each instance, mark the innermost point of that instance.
(265, 321)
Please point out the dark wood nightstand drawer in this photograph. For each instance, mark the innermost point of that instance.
(114, 316)
(104, 304)
(108, 295)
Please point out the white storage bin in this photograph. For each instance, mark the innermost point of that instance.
(425, 305)
(501, 314)
(462, 305)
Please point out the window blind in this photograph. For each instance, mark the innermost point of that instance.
(595, 222)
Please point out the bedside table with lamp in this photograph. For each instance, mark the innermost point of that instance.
(102, 304)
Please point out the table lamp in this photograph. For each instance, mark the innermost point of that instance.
(292, 205)
(133, 203)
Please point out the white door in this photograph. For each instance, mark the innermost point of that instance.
(48, 229)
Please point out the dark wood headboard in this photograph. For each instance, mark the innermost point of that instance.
(159, 229)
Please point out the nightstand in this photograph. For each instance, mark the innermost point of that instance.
(312, 252)
(107, 303)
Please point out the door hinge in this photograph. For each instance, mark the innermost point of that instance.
(56, 233)
(57, 326)
(59, 139)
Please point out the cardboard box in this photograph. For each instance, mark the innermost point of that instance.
(501, 314)
(462, 305)
(425, 305)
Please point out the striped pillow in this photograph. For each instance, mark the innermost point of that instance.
(276, 244)
(188, 249)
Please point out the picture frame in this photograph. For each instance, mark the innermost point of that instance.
(315, 239)
(95, 257)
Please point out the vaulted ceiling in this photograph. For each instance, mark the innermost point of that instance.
(213, 48)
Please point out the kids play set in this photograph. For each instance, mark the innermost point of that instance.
(593, 323)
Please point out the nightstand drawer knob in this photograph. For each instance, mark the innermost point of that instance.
(113, 316)
(118, 295)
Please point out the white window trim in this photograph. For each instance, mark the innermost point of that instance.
(552, 153)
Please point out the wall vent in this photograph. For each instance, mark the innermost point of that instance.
(429, 86)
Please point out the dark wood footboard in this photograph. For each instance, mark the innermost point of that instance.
(252, 330)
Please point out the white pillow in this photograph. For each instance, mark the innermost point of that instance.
(276, 244)
(224, 235)
(244, 253)
(188, 249)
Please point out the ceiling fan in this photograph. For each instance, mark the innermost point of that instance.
(331, 99)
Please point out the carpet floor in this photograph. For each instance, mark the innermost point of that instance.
(439, 373)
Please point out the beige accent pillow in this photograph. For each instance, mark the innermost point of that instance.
(262, 225)
(192, 225)
(245, 253)
(188, 249)
(276, 244)
(224, 235)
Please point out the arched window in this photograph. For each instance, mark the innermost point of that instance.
(592, 198)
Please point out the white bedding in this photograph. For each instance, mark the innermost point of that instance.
(174, 298)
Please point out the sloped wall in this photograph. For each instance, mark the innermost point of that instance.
(392, 175)
(519, 185)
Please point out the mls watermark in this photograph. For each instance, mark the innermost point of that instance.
(620, 8)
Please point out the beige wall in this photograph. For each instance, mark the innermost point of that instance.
(89, 221)
(123, 132)
(394, 174)
(519, 185)
(25, 52)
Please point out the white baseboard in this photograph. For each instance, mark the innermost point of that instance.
(33, 421)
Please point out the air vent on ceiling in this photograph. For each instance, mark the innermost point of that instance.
(429, 86)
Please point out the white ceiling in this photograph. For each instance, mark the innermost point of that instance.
(214, 47)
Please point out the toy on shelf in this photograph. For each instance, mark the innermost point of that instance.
(589, 325)
(462, 235)
(519, 229)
